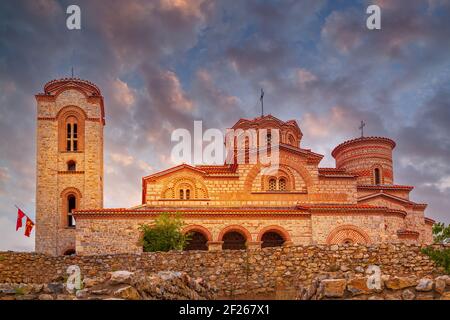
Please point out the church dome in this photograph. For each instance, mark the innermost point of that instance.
(369, 158)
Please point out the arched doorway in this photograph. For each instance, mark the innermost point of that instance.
(233, 240)
(272, 239)
(198, 241)
(347, 234)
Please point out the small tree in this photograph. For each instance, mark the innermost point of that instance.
(166, 234)
(440, 232)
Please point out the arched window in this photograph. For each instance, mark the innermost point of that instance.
(272, 239)
(282, 184)
(269, 139)
(197, 241)
(185, 194)
(233, 240)
(71, 134)
(71, 205)
(291, 140)
(377, 177)
(71, 166)
(272, 184)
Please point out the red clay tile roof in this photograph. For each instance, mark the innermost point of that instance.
(298, 207)
(55, 84)
(384, 187)
(405, 232)
(429, 221)
(217, 169)
(363, 139)
(334, 172)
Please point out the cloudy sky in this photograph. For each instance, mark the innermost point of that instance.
(163, 64)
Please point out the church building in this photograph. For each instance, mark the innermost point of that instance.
(224, 207)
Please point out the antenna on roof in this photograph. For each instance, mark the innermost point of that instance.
(262, 102)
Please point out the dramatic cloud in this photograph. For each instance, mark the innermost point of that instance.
(163, 64)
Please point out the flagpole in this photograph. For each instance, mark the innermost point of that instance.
(23, 213)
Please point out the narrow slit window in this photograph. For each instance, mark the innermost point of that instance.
(69, 136)
(188, 194)
(377, 176)
(181, 194)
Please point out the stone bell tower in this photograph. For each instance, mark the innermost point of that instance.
(69, 176)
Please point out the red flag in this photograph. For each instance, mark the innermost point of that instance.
(20, 216)
(28, 227)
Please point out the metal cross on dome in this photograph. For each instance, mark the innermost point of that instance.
(361, 127)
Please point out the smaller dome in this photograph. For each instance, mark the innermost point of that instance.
(368, 158)
(56, 85)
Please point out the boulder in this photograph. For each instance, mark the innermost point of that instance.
(358, 286)
(440, 283)
(425, 284)
(334, 288)
(54, 288)
(408, 294)
(45, 296)
(90, 282)
(127, 293)
(397, 283)
(120, 277)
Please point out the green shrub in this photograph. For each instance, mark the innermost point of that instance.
(2, 258)
(440, 232)
(166, 234)
(440, 256)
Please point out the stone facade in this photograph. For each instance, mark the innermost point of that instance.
(63, 101)
(224, 206)
(235, 272)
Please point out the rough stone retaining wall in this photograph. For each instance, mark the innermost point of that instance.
(232, 272)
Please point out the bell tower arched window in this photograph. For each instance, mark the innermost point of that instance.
(71, 134)
(71, 129)
(71, 206)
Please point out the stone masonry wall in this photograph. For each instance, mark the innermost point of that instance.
(232, 272)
